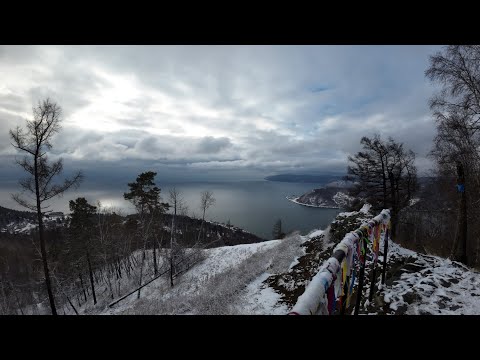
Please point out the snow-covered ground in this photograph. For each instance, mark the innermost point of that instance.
(295, 200)
(230, 280)
(432, 285)
(340, 199)
(364, 210)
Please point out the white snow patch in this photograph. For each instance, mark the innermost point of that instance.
(261, 299)
(414, 201)
(315, 233)
(295, 200)
(439, 286)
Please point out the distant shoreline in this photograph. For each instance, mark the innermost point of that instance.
(294, 200)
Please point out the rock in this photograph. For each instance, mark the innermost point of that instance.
(444, 283)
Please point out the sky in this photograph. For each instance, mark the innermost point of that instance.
(216, 113)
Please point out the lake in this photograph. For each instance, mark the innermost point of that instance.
(252, 205)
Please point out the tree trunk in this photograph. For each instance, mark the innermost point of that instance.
(18, 302)
(462, 233)
(385, 253)
(201, 226)
(155, 270)
(171, 270)
(71, 304)
(394, 205)
(4, 299)
(384, 183)
(90, 272)
(144, 235)
(118, 267)
(171, 244)
(107, 273)
(83, 287)
(42, 241)
(141, 268)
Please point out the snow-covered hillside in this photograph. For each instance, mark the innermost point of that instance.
(230, 280)
(26, 226)
(235, 280)
(328, 197)
(268, 277)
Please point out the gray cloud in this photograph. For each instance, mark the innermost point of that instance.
(210, 145)
(219, 111)
(12, 102)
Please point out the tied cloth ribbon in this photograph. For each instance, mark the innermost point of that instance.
(338, 284)
(331, 297)
(344, 275)
(343, 285)
(376, 242)
(364, 241)
(352, 281)
(353, 264)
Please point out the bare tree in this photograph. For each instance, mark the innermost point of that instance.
(385, 174)
(34, 141)
(176, 201)
(456, 150)
(206, 201)
(457, 69)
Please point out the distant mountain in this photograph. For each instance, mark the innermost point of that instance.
(294, 178)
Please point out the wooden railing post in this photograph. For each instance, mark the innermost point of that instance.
(385, 252)
(362, 273)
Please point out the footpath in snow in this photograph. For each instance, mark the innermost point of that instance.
(230, 280)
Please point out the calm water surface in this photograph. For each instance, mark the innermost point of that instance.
(252, 205)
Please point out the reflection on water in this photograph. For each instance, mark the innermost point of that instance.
(252, 205)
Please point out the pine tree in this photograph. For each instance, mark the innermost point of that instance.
(277, 229)
(145, 196)
(81, 226)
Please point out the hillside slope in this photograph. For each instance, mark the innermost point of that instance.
(415, 283)
(228, 281)
(268, 277)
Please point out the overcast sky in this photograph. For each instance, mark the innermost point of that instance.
(216, 112)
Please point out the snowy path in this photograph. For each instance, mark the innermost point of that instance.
(228, 281)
